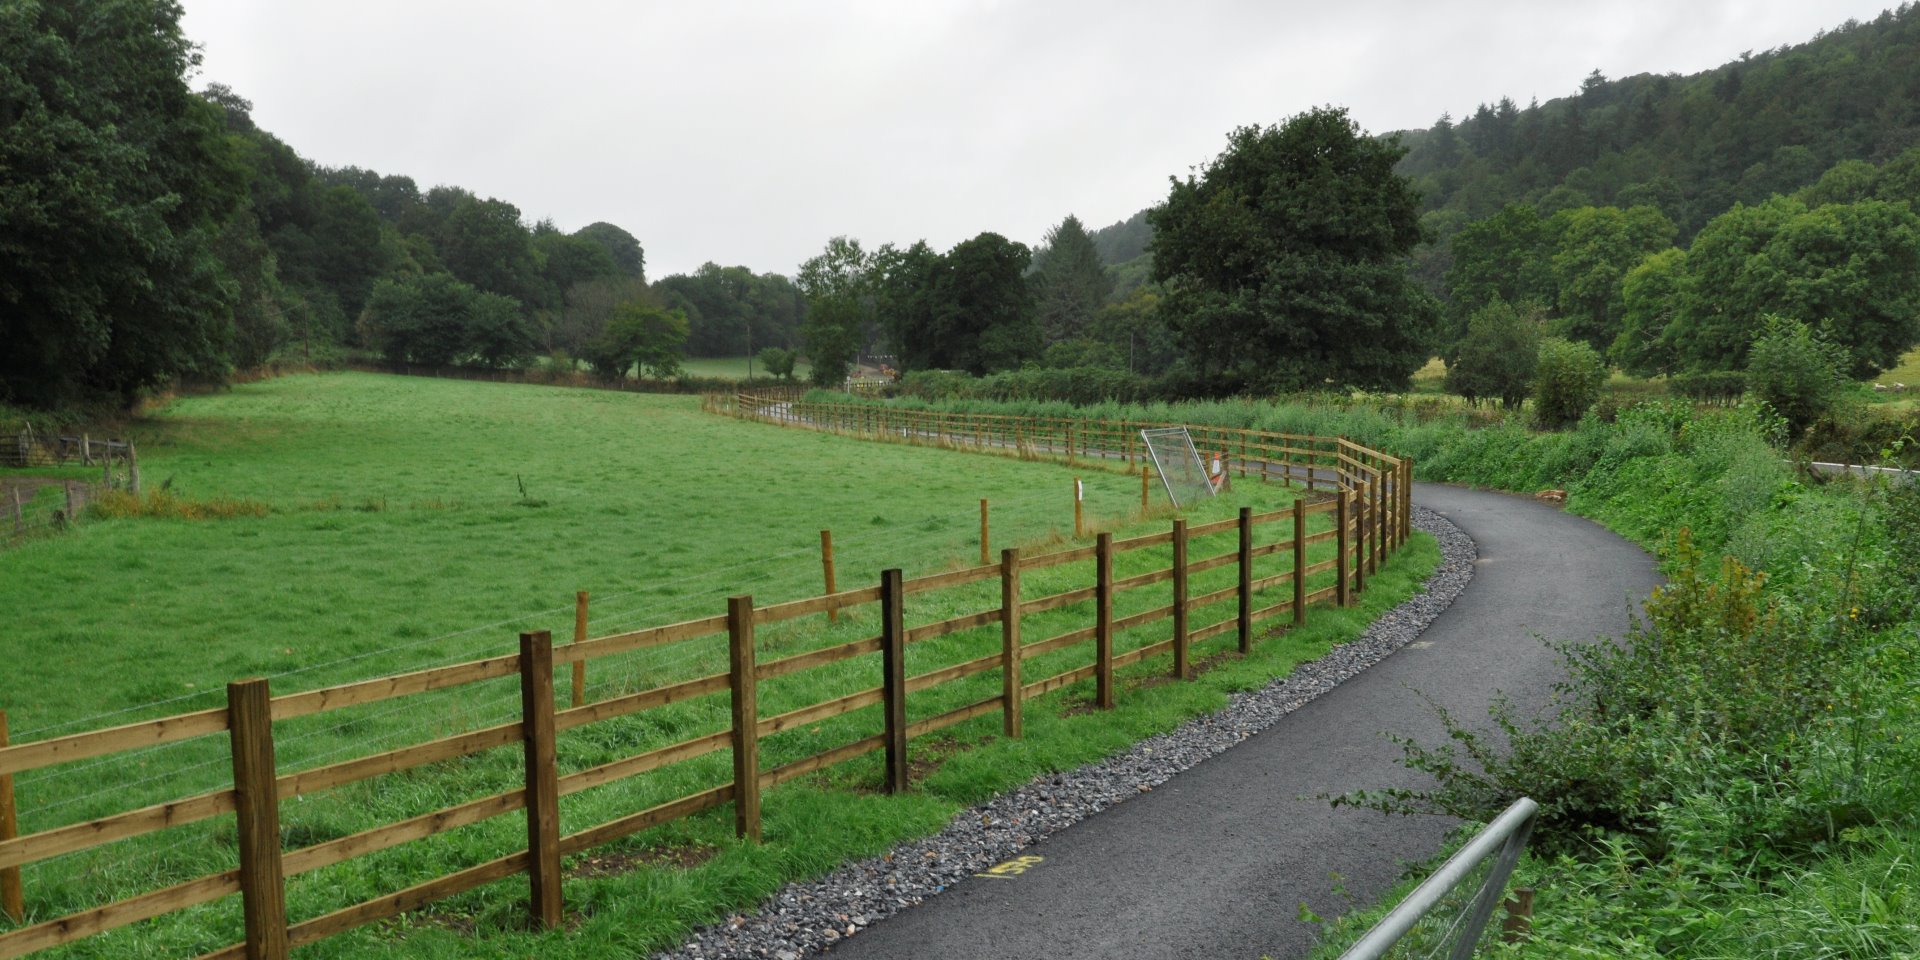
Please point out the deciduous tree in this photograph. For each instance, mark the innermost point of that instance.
(1284, 260)
(839, 308)
(115, 180)
(1497, 358)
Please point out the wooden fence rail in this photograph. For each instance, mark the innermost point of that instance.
(1363, 518)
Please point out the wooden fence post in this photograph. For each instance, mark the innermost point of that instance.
(263, 894)
(86, 450)
(13, 900)
(542, 773)
(1246, 580)
(133, 469)
(1377, 517)
(1103, 621)
(579, 636)
(893, 675)
(1362, 507)
(1010, 642)
(1340, 596)
(1406, 515)
(826, 564)
(1070, 443)
(746, 718)
(1181, 668)
(1143, 488)
(985, 558)
(1299, 562)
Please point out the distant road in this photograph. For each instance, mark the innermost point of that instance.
(1215, 863)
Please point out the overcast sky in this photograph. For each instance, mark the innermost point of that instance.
(749, 133)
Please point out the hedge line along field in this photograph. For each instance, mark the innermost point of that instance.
(355, 525)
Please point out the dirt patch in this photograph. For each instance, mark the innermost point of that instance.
(681, 856)
(27, 485)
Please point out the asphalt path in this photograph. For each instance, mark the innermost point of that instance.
(1217, 862)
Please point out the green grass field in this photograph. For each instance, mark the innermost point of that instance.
(414, 522)
(1908, 372)
(734, 367)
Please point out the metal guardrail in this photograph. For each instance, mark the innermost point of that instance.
(1496, 847)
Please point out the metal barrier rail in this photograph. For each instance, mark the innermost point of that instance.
(1503, 839)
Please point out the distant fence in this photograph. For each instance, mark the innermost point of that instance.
(44, 507)
(1384, 483)
(118, 461)
(32, 505)
(1275, 566)
(572, 378)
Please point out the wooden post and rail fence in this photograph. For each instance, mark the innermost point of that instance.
(1361, 522)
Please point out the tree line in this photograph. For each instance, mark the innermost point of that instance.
(167, 236)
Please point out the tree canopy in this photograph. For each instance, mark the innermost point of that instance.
(110, 202)
(1284, 259)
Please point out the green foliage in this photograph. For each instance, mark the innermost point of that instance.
(970, 308)
(1283, 260)
(1649, 297)
(1070, 283)
(1136, 329)
(982, 311)
(436, 320)
(1497, 358)
(643, 337)
(485, 244)
(1083, 352)
(1796, 371)
(1567, 380)
(778, 362)
(590, 306)
(110, 203)
(1124, 241)
(620, 245)
(1595, 248)
(1724, 387)
(731, 310)
(1737, 778)
(1769, 122)
(1506, 257)
(1846, 266)
(1069, 384)
(840, 309)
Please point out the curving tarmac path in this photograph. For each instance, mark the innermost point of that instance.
(1216, 862)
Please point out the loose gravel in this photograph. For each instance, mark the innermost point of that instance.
(808, 917)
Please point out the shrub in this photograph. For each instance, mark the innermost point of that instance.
(165, 504)
(1718, 386)
(1566, 382)
(1796, 371)
(778, 362)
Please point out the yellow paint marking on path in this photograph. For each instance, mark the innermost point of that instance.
(1012, 868)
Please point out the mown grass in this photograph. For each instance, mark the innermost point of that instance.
(412, 522)
(735, 368)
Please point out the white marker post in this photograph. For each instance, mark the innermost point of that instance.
(1079, 495)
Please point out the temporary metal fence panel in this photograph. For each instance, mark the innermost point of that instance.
(1178, 463)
